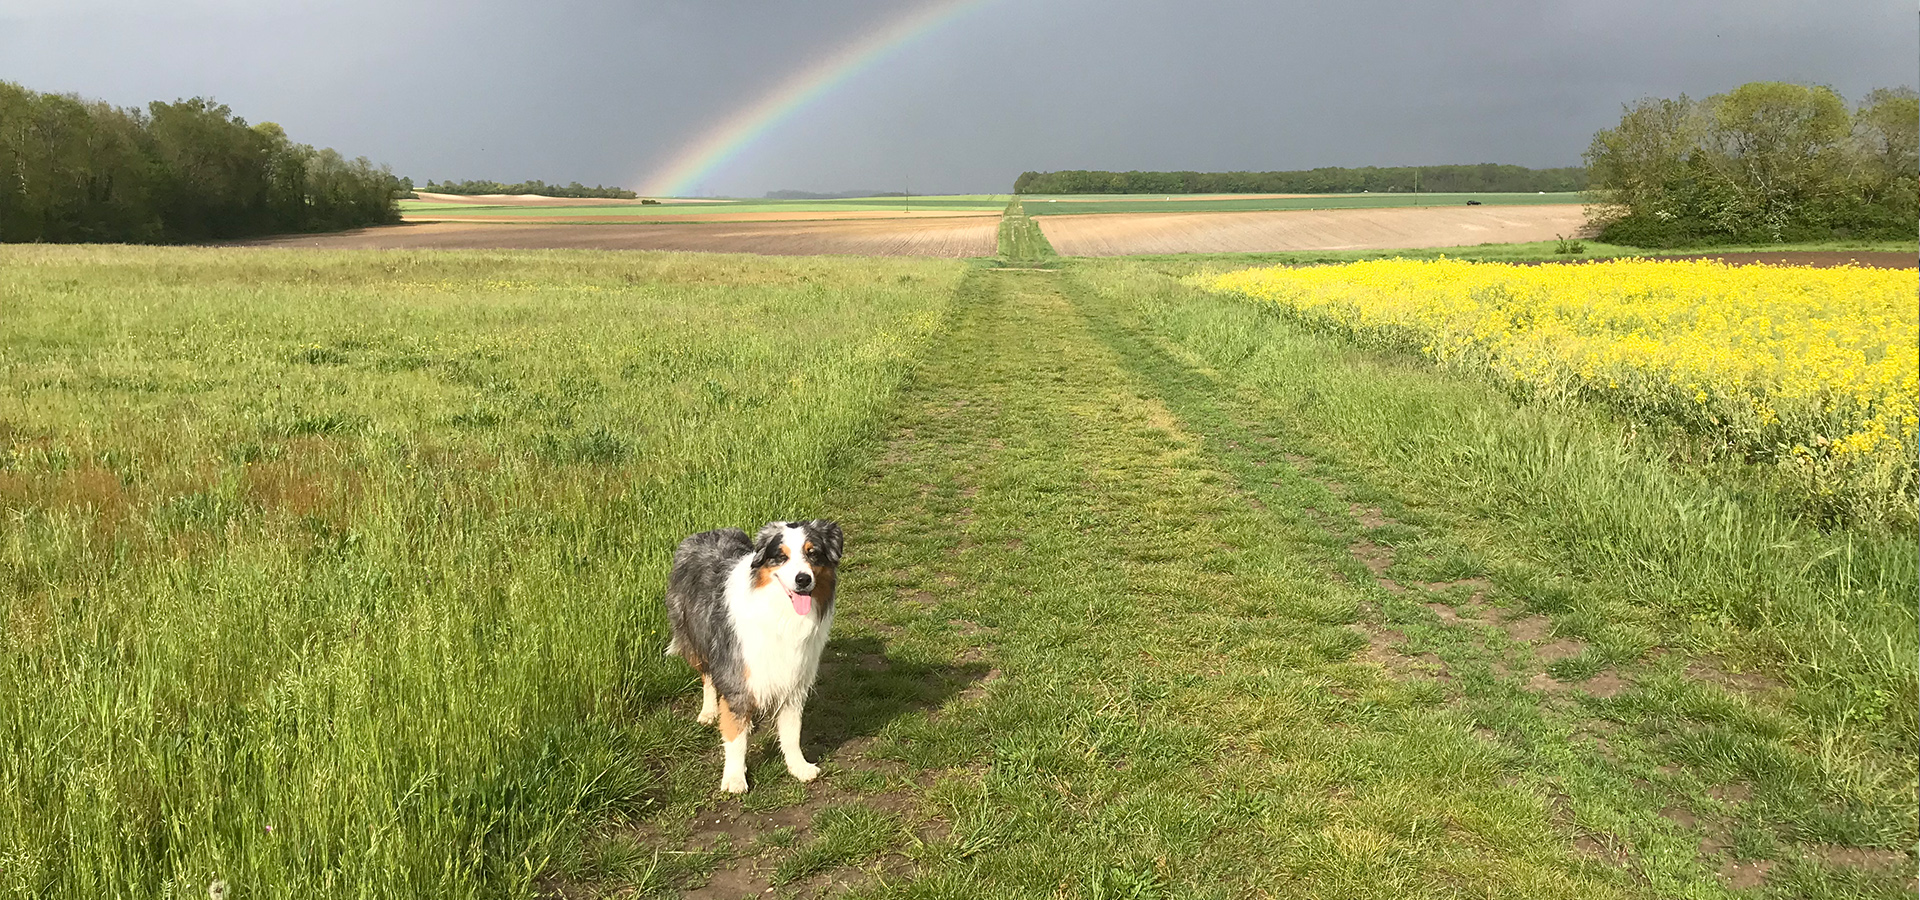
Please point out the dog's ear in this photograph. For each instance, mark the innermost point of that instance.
(767, 541)
(828, 534)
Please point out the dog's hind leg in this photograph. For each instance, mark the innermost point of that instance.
(735, 728)
(709, 710)
(797, 764)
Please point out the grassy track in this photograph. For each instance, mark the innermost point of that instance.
(1148, 594)
(1248, 635)
(1021, 241)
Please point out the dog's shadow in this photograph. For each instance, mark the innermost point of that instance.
(862, 688)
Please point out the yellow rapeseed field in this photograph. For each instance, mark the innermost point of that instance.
(1813, 370)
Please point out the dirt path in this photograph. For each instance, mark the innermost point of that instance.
(1125, 234)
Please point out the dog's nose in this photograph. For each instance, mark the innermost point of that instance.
(803, 580)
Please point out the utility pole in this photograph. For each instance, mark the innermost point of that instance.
(1416, 185)
(909, 194)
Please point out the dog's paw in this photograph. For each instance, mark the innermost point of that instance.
(707, 716)
(805, 771)
(734, 783)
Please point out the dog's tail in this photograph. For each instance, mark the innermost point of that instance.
(673, 646)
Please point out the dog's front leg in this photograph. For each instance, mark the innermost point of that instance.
(790, 744)
(709, 702)
(735, 728)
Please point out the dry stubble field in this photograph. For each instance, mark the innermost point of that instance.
(929, 237)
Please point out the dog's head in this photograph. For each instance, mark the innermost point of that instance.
(803, 557)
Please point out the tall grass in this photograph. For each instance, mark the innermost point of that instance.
(336, 574)
(1712, 558)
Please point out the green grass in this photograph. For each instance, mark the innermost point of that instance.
(337, 573)
(1083, 204)
(1148, 593)
(1021, 241)
(1146, 509)
(984, 202)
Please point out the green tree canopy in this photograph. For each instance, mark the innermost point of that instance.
(77, 170)
(1765, 162)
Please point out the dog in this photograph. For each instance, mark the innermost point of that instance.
(752, 616)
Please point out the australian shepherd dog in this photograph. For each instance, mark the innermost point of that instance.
(751, 616)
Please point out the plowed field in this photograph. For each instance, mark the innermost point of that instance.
(1332, 229)
(938, 237)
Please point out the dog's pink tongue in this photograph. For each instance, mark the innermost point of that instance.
(802, 603)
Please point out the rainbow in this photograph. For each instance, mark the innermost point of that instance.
(727, 140)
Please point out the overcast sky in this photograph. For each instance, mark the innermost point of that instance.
(607, 92)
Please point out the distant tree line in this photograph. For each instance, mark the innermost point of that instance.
(1766, 162)
(574, 190)
(79, 170)
(1329, 180)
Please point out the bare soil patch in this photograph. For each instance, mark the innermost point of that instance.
(1123, 234)
(940, 237)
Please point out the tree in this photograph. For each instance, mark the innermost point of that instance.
(78, 170)
(1765, 162)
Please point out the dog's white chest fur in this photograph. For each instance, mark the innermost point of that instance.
(780, 648)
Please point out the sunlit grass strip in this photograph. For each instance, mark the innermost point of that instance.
(1021, 240)
(1811, 370)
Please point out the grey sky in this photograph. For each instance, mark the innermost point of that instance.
(607, 92)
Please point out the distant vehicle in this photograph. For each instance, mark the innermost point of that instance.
(1473, 203)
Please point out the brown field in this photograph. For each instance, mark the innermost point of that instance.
(764, 216)
(1819, 259)
(942, 237)
(1125, 234)
(1150, 198)
(537, 200)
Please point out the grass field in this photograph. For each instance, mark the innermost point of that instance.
(1087, 204)
(337, 574)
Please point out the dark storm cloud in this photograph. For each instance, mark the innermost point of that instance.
(604, 92)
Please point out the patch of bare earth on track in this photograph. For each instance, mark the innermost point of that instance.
(949, 237)
(1123, 234)
(1529, 633)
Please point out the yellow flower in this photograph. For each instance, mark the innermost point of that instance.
(1769, 357)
